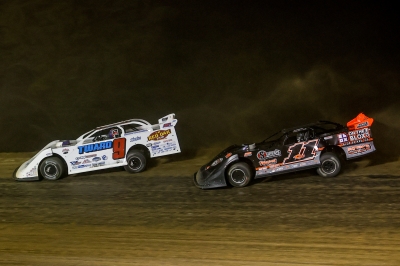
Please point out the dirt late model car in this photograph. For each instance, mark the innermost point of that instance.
(128, 143)
(322, 145)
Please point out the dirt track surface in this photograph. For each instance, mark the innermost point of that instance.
(159, 218)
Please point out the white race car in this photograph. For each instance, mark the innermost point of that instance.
(128, 143)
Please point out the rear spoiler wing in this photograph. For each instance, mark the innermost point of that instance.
(361, 121)
(166, 119)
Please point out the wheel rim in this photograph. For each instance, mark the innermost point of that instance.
(238, 176)
(51, 170)
(328, 166)
(135, 163)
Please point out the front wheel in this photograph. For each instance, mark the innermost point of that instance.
(51, 168)
(136, 162)
(330, 165)
(239, 174)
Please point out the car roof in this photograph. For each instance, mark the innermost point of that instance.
(311, 125)
(140, 122)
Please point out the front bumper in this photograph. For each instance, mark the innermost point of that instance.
(30, 178)
(205, 180)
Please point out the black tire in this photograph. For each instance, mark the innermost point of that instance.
(240, 174)
(136, 162)
(330, 165)
(51, 168)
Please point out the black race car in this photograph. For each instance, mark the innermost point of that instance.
(322, 145)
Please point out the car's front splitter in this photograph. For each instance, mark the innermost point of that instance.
(30, 178)
(204, 180)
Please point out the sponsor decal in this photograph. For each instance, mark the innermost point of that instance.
(364, 124)
(104, 157)
(96, 159)
(269, 162)
(75, 163)
(247, 154)
(86, 161)
(228, 155)
(84, 165)
(263, 155)
(95, 147)
(65, 151)
(162, 147)
(328, 137)
(359, 134)
(359, 148)
(158, 135)
(86, 156)
(135, 139)
(98, 164)
(343, 138)
(32, 172)
(49, 154)
(167, 125)
(217, 161)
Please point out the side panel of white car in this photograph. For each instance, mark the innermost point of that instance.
(107, 146)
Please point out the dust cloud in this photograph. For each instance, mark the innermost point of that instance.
(232, 73)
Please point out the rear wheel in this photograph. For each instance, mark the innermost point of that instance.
(136, 162)
(239, 174)
(330, 165)
(51, 168)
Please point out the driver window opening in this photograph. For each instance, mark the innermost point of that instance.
(105, 134)
(296, 137)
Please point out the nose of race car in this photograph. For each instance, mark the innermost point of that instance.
(209, 179)
(199, 179)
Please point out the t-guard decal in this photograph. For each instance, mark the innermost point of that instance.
(95, 147)
(118, 146)
(301, 151)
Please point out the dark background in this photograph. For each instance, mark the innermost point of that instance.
(232, 71)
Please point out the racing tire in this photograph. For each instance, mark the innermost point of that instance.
(136, 162)
(239, 174)
(51, 168)
(330, 165)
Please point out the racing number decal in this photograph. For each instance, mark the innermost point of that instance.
(119, 148)
(301, 151)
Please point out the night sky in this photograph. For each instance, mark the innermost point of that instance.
(231, 71)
